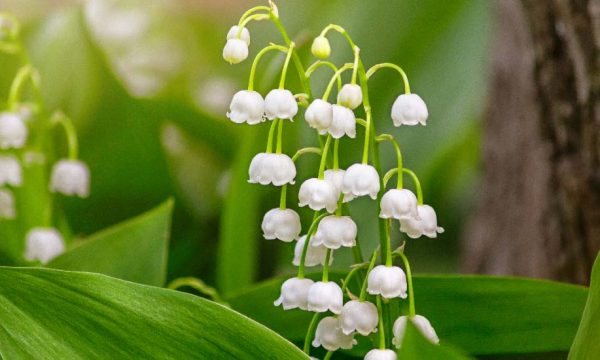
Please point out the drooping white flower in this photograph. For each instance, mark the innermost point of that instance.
(7, 204)
(247, 107)
(317, 194)
(281, 104)
(70, 177)
(320, 47)
(329, 335)
(282, 224)
(409, 109)
(350, 96)
(235, 51)
(335, 231)
(377, 354)
(294, 293)
(387, 281)
(233, 32)
(43, 244)
(343, 122)
(276, 169)
(13, 131)
(336, 178)
(399, 204)
(319, 115)
(315, 255)
(359, 316)
(425, 224)
(324, 296)
(360, 180)
(420, 323)
(10, 171)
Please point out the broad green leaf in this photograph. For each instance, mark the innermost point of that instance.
(479, 314)
(54, 314)
(135, 250)
(586, 344)
(416, 347)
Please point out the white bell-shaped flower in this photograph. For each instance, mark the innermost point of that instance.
(425, 224)
(343, 122)
(319, 115)
(329, 335)
(70, 177)
(324, 296)
(399, 204)
(387, 281)
(321, 47)
(247, 107)
(43, 244)
(317, 194)
(276, 169)
(294, 293)
(378, 354)
(409, 109)
(360, 180)
(13, 131)
(335, 231)
(280, 104)
(315, 255)
(7, 204)
(359, 316)
(282, 224)
(336, 178)
(235, 51)
(10, 171)
(420, 323)
(233, 34)
(350, 96)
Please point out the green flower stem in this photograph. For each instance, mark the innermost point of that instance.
(336, 160)
(271, 133)
(374, 68)
(339, 29)
(328, 355)
(335, 76)
(411, 292)
(363, 289)
(313, 227)
(309, 332)
(59, 118)
(324, 157)
(320, 63)
(356, 51)
(255, 17)
(257, 59)
(250, 12)
(279, 136)
(197, 285)
(417, 184)
(340, 203)
(390, 138)
(388, 243)
(351, 273)
(306, 150)
(26, 72)
(381, 325)
(325, 277)
(286, 64)
(365, 157)
(283, 197)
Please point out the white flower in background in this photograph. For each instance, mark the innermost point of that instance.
(13, 131)
(7, 204)
(214, 94)
(409, 109)
(399, 204)
(336, 178)
(360, 180)
(247, 107)
(387, 281)
(282, 224)
(425, 224)
(70, 177)
(294, 293)
(317, 194)
(235, 51)
(350, 96)
(359, 316)
(276, 169)
(324, 296)
(233, 34)
(335, 231)
(329, 335)
(115, 25)
(343, 122)
(320, 47)
(43, 244)
(319, 115)
(420, 323)
(10, 171)
(315, 255)
(8, 29)
(281, 104)
(378, 354)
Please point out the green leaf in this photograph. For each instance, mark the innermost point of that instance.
(479, 314)
(586, 344)
(53, 314)
(416, 347)
(135, 250)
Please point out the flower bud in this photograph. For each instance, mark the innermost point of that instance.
(330, 336)
(420, 322)
(319, 115)
(409, 109)
(350, 96)
(282, 224)
(247, 107)
(245, 35)
(281, 104)
(294, 293)
(336, 178)
(424, 224)
(10, 171)
(343, 122)
(360, 180)
(359, 316)
(276, 169)
(13, 131)
(70, 177)
(387, 281)
(235, 51)
(377, 354)
(320, 47)
(315, 255)
(7, 204)
(43, 244)
(317, 194)
(324, 296)
(335, 231)
(398, 204)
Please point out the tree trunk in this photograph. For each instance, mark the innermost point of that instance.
(539, 204)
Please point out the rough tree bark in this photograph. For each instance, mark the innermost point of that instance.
(539, 203)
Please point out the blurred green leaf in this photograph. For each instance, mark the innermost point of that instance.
(135, 250)
(53, 314)
(586, 344)
(416, 347)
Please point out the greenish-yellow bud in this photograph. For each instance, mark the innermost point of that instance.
(320, 47)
